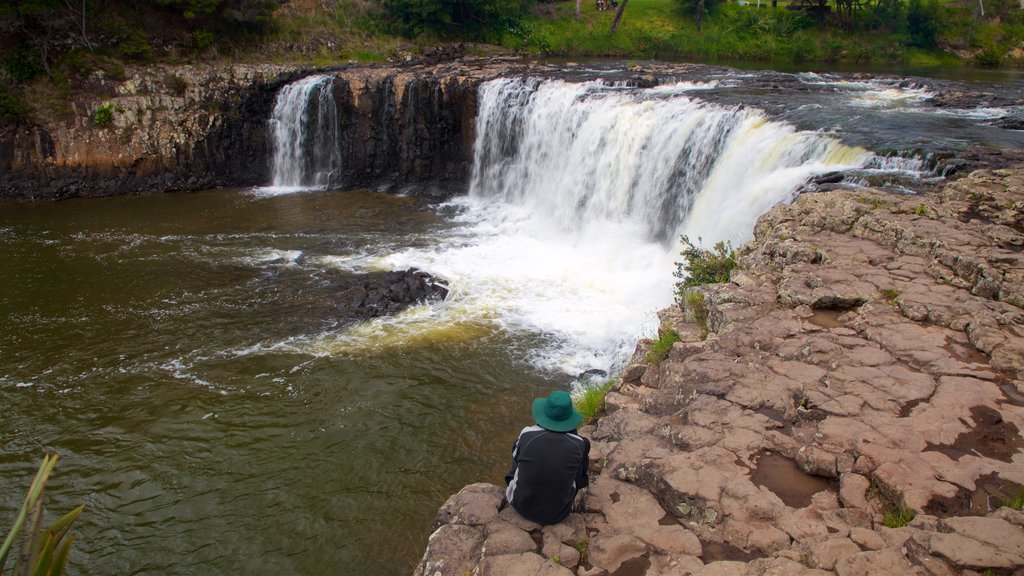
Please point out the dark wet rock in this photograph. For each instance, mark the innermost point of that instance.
(387, 293)
(1010, 123)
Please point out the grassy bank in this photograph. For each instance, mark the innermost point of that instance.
(51, 44)
(662, 29)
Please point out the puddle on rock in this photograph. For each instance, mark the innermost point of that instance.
(991, 437)
(633, 567)
(786, 480)
(990, 493)
(777, 417)
(718, 551)
(825, 318)
(668, 520)
(1013, 396)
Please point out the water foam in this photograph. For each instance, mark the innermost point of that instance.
(578, 195)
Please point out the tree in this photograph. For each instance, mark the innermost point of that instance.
(698, 8)
(618, 14)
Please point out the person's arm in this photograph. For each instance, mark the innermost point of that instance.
(515, 462)
(582, 477)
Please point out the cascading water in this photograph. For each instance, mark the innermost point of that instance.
(578, 194)
(304, 129)
(582, 153)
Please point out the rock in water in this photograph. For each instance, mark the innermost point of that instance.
(389, 293)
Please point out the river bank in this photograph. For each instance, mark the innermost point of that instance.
(855, 409)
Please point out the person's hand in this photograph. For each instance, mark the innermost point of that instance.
(577, 503)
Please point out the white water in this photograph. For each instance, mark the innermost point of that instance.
(578, 196)
(304, 130)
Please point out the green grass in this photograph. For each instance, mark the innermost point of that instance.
(1018, 502)
(590, 403)
(890, 294)
(694, 303)
(583, 547)
(897, 517)
(661, 347)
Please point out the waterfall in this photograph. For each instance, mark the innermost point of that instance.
(304, 130)
(578, 154)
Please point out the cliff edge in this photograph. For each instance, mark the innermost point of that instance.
(854, 407)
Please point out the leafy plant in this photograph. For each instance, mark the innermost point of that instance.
(44, 551)
(701, 266)
(104, 115)
(661, 347)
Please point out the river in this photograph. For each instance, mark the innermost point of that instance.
(183, 352)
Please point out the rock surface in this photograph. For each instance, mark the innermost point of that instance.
(867, 359)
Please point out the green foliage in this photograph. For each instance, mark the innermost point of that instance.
(12, 108)
(890, 294)
(702, 266)
(590, 402)
(202, 39)
(175, 84)
(21, 63)
(468, 19)
(44, 551)
(886, 15)
(583, 547)
(104, 115)
(190, 8)
(923, 23)
(661, 347)
(1018, 502)
(897, 517)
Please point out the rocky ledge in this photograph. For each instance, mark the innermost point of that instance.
(853, 406)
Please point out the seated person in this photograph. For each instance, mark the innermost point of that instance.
(549, 462)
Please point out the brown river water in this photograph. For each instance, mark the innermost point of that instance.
(127, 329)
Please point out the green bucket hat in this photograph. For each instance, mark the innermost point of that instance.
(556, 412)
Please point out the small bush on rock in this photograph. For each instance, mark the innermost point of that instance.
(660, 348)
(702, 266)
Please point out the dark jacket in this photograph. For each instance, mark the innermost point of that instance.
(547, 470)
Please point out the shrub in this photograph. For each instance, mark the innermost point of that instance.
(701, 266)
(202, 38)
(923, 23)
(175, 84)
(11, 106)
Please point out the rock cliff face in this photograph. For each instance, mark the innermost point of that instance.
(194, 127)
(855, 409)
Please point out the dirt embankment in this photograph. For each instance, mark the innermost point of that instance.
(855, 409)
